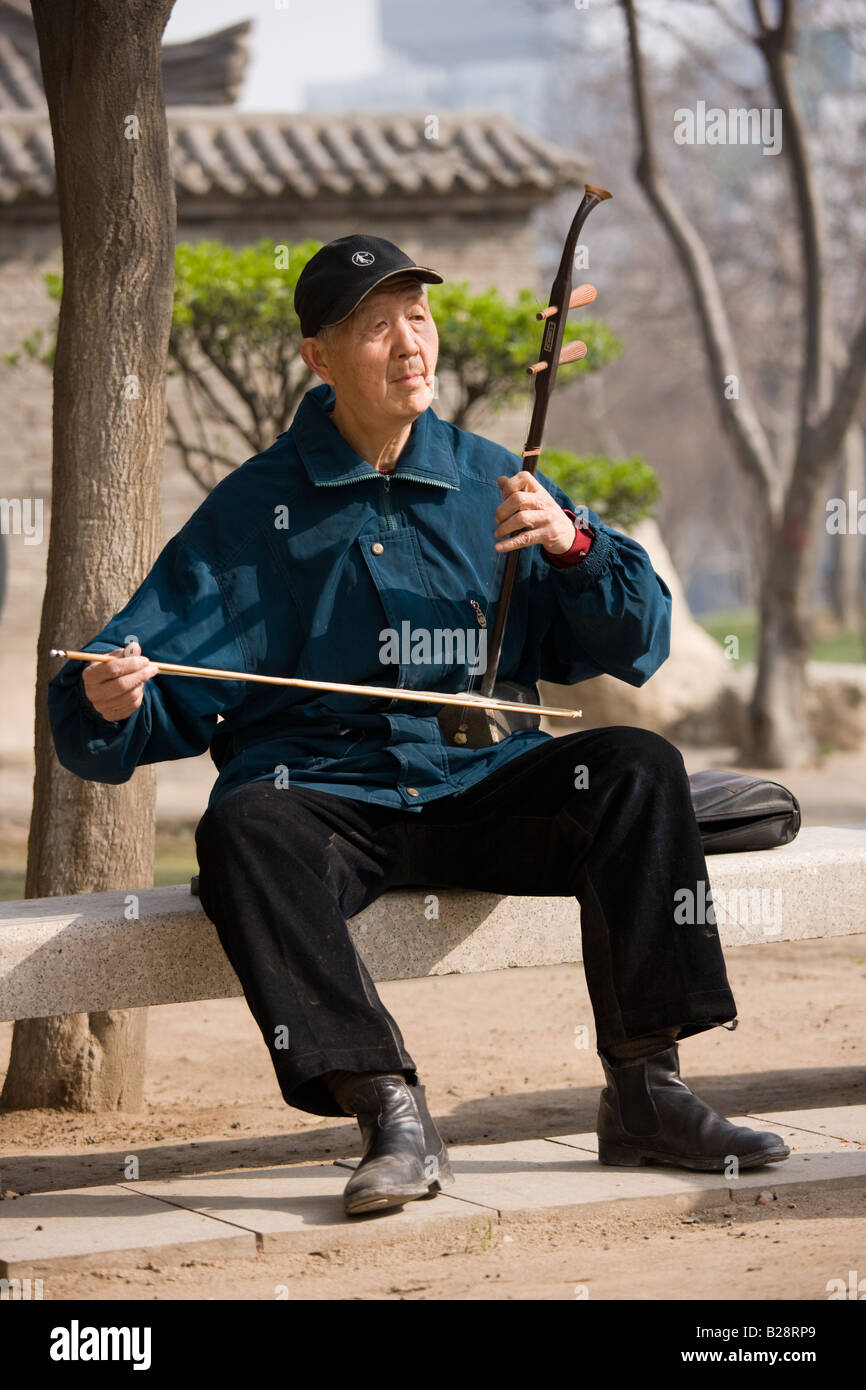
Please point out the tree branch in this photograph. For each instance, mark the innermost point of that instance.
(823, 440)
(220, 409)
(739, 419)
(698, 55)
(185, 450)
(218, 359)
(776, 45)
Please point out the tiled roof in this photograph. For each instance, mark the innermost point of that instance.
(206, 71)
(20, 73)
(221, 154)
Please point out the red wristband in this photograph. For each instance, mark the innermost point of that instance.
(580, 545)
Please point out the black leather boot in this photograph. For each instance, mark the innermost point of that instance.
(403, 1156)
(647, 1114)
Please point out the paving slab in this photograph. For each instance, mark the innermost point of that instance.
(283, 1206)
(299, 1206)
(543, 1173)
(844, 1122)
(102, 1227)
(817, 1155)
(280, 1204)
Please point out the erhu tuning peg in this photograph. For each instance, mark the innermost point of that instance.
(584, 294)
(571, 353)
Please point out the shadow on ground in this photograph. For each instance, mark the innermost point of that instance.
(530, 1115)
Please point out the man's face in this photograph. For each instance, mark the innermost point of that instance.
(381, 361)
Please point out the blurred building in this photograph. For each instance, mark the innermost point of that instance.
(495, 54)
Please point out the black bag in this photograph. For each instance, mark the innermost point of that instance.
(737, 812)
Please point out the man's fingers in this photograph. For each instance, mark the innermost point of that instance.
(523, 538)
(517, 482)
(115, 688)
(526, 501)
(98, 672)
(131, 680)
(519, 522)
(528, 514)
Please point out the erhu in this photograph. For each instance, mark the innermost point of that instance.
(482, 726)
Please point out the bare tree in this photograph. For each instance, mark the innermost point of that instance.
(845, 588)
(787, 492)
(102, 74)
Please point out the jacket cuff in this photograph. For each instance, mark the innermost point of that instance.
(587, 568)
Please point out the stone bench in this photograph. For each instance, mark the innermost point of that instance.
(117, 950)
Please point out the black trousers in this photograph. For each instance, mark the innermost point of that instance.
(603, 815)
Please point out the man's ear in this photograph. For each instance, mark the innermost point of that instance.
(315, 356)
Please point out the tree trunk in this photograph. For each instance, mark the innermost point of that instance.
(779, 734)
(861, 621)
(844, 577)
(101, 66)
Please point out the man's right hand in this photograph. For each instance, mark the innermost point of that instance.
(116, 688)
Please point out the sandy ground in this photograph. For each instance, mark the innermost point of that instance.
(753, 1255)
(497, 1054)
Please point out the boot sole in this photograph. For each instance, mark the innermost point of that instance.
(621, 1156)
(380, 1201)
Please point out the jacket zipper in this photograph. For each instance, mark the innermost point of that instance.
(345, 482)
(431, 482)
(390, 520)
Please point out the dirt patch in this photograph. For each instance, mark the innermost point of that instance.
(497, 1054)
(753, 1253)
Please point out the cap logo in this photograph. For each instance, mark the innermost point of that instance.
(363, 258)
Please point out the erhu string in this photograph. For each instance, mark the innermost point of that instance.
(493, 589)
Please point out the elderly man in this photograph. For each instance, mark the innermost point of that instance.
(369, 517)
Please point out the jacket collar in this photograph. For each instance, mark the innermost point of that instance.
(428, 456)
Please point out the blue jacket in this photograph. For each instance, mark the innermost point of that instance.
(297, 564)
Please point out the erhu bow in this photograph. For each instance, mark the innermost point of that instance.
(476, 728)
(384, 692)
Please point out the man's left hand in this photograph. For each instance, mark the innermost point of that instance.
(529, 509)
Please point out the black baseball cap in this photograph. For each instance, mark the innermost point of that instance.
(336, 279)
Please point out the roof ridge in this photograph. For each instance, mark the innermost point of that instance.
(221, 152)
(211, 65)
